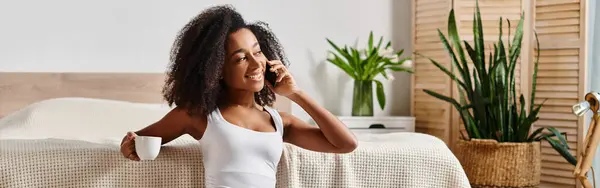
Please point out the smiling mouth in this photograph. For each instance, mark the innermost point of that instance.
(256, 77)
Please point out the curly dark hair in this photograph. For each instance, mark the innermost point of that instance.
(194, 78)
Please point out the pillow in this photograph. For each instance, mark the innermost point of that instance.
(80, 118)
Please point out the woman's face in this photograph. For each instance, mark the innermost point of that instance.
(245, 63)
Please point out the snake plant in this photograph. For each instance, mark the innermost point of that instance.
(489, 106)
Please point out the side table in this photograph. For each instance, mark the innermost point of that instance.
(379, 125)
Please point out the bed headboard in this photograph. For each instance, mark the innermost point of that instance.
(19, 89)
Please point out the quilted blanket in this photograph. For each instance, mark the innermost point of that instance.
(410, 160)
(74, 142)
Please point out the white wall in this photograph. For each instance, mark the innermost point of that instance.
(136, 35)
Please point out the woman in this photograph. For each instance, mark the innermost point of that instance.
(217, 82)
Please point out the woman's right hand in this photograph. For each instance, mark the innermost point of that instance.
(128, 147)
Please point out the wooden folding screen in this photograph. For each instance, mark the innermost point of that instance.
(560, 25)
(432, 115)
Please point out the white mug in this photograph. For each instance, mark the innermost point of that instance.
(147, 147)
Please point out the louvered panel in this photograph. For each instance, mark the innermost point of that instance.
(555, 2)
(428, 16)
(558, 173)
(557, 15)
(550, 150)
(426, 66)
(433, 12)
(488, 3)
(420, 3)
(563, 109)
(428, 27)
(549, 180)
(571, 144)
(434, 53)
(554, 158)
(430, 79)
(551, 185)
(559, 74)
(425, 6)
(431, 131)
(560, 166)
(558, 24)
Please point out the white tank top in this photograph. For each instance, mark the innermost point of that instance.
(236, 157)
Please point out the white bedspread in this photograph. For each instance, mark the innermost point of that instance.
(74, 142)
(391, 160)
(414, 160)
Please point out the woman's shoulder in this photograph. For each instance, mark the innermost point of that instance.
(283, 115)
(195, 125)
(275, 110)
(191, 114)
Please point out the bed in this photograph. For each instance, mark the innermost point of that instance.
(64, 129)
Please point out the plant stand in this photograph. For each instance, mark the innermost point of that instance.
(489, 163)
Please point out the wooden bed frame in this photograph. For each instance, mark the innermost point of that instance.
(19, 89)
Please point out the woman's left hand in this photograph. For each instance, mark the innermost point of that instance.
(285, 84)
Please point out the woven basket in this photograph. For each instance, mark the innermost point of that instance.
(505, 164)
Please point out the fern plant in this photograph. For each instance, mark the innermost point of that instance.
(489, 106)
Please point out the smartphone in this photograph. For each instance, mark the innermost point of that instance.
(270, 76)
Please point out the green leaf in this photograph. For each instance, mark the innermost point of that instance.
(535, 134)
(454, 38)
(380, 94)
(562, 150)
(370, 49)
(515, 48)
(541, 136)
(380, 41)
(400, 62)
(466, 107)
(453, 59)
(469, 124)
(339, 50)
(372, 61)
(442, 97)
(400, 69)
(337, 61)
(399, 53)
(535, 70)
(531, 118)
(521, 120)
(478, 37)
(384, 75)
(559, 136)
(473, 54)
(479, 103)
(355, 62)
(508, 22)
(450, 74)
(500, 41)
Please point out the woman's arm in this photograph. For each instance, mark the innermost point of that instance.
(331, 135)
(171, 126)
